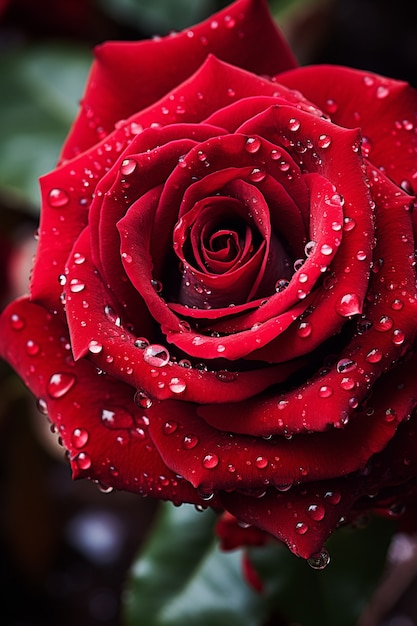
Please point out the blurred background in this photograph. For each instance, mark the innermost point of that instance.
(65, 547)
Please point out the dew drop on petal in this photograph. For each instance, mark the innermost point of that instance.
(348, 224)
(79, 437)
(304, 329)
(384, 323)
(253, 145)
(294, 124)
(59, 384)
(58, 198)
(128, 166)
(32, 347)
(346, 365)
(398, 337)
(347, 383)
(382, 92)
(301, 528)
(177, 385)
(326, 249)
(320, 560)
(324, 141)
(374, 356)
(17, 322)
(116, 417)
(316, 512)
(349, 304)
(82, 461)
(170, 427)
(257, 175)
(210, 460)
(95, 347)
(156, 355)
(141, 342)
(261, 462)
(325, 391)
(76, 285)
(225, 376)
(142, 399)
(189, 442)
(333, 497)
(309, 248)
(42, 406)
(281, 284)
(390, 415)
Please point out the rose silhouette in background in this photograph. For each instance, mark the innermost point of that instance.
(223, 308)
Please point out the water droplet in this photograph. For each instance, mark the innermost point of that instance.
(141, 343)
(304, 329)
(316, 512)
(177, 385)
(157, 285)
(95, 347)
(382, 92)
(281, 284)
(275, 154)
(128, 166)
(310, 247)
(294, 124)
(225, 376)
(82, 461)
(257, 175)
(17, 322)
(390, 415)
(348, 224)
(398, 337)
(205, 493)
(221, 348)
(384, 323)
(374, 356)
(170, 427)
(324, 141)
(189, 442)
(261, 462)
(346, 365)
(32, 348)
(58, 198)
(116, 417)
(326, 249)
(104, 488)
(361, 255)
(59, 384)
(320, 560)
(76, 285)
(156, 355)
(331, 106)
(253, 145)
(347, 383)
(349, 304)
(142, 399)
(79, 437)
(301, 528)
(42, 406)
(333, 497)
(210, 460)
(325, 391)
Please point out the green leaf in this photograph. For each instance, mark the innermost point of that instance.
(313, 597)
(181, 578)
(159, 16)
(41, 89)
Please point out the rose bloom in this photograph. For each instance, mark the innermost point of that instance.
(222, 308)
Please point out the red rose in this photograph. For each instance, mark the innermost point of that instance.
(223, 303)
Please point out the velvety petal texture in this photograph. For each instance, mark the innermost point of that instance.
(223, 304)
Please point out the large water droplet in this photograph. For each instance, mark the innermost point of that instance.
(349, 304)
(79, 437)
(95, 347)
(116, 417)
(58, 198)
(189, 442)
(142, 399)
(156, 355)
(346, 365)
(304, 329)
(170, 427)
(301, 528)
(76, 285)
(261, 462)
(210, 460)
(32, 348)
(225, 376)
(59, 384)
(17, 322)
(320, 560)
(83, 461)
(374, 356)
(177, 385)
(253, 145)
(316, 512)
(324, 141)
(333, 497)
(128, 166)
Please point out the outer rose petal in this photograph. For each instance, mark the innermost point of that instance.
(95, 416)
(127, 77)
(384, 109)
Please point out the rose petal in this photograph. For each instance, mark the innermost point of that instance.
(127, 76)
